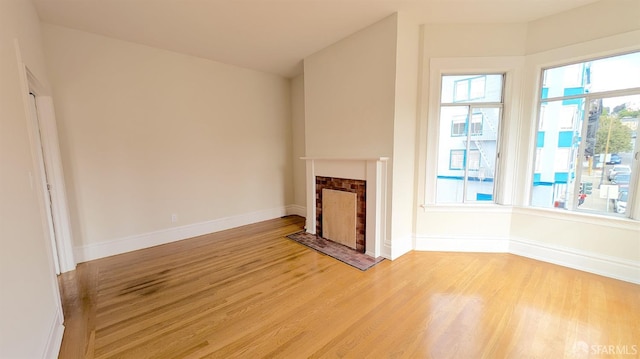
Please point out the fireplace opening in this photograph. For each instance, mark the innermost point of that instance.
(342, 210)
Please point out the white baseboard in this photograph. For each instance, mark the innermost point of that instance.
(617, 268)
(54, 342)
(385, 251)
(146, 240)
(628, 271)
(294, 209)
(461, 244)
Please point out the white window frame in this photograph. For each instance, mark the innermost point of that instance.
(633, 209)
(541, 118)
(512, 68)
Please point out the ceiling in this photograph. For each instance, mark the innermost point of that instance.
(270, 35)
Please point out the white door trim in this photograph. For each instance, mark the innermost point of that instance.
(53, 164)
(42, 176)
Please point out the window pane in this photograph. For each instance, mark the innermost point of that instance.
(586, 137)
(467, 163)
(468, 137)
(483, 146)
(451, 154)
(557, 148)
(614, 73)
(471, 88)
(475, 126)
(605, 177)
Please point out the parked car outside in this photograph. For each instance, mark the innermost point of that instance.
(618, 169)
(620, 203)
(614, 160)
(621, 179)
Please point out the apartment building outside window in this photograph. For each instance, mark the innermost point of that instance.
(470, 117)
(588, 117)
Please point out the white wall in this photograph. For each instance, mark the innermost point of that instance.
(30, 324)
(403, 197)
(360, 101)
(349, 94)
(464, 40)
(147, 133)
(594, 21)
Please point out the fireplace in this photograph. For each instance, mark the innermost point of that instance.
(358, 187)
(366, 177)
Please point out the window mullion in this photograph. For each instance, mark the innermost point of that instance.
(581, 147)
(467, 152)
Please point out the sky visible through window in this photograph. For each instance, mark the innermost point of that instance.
(620, 72)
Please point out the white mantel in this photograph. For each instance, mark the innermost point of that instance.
(373, 170)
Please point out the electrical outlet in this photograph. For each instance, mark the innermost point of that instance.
(174, 218)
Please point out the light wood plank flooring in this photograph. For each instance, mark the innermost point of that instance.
(252, 293)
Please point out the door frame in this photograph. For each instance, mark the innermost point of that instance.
(45, 127)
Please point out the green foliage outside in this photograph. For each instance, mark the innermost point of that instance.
(628, 113)
(619, 139)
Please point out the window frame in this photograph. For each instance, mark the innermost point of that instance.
(467, 128)
(504, 182)
(587, 98)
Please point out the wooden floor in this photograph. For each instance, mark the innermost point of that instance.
(252, 293)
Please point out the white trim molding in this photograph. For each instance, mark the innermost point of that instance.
(145, 240)
(294, 209)
(58, 192)
(54, 341)
(43, 127)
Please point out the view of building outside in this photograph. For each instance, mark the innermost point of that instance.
(587, 134)
(470, 113)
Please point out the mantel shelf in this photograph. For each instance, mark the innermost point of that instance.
(345, 158)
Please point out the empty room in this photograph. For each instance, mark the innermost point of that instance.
(297, 179)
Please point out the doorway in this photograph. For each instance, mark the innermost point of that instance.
(45, 182)
(49, 177)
